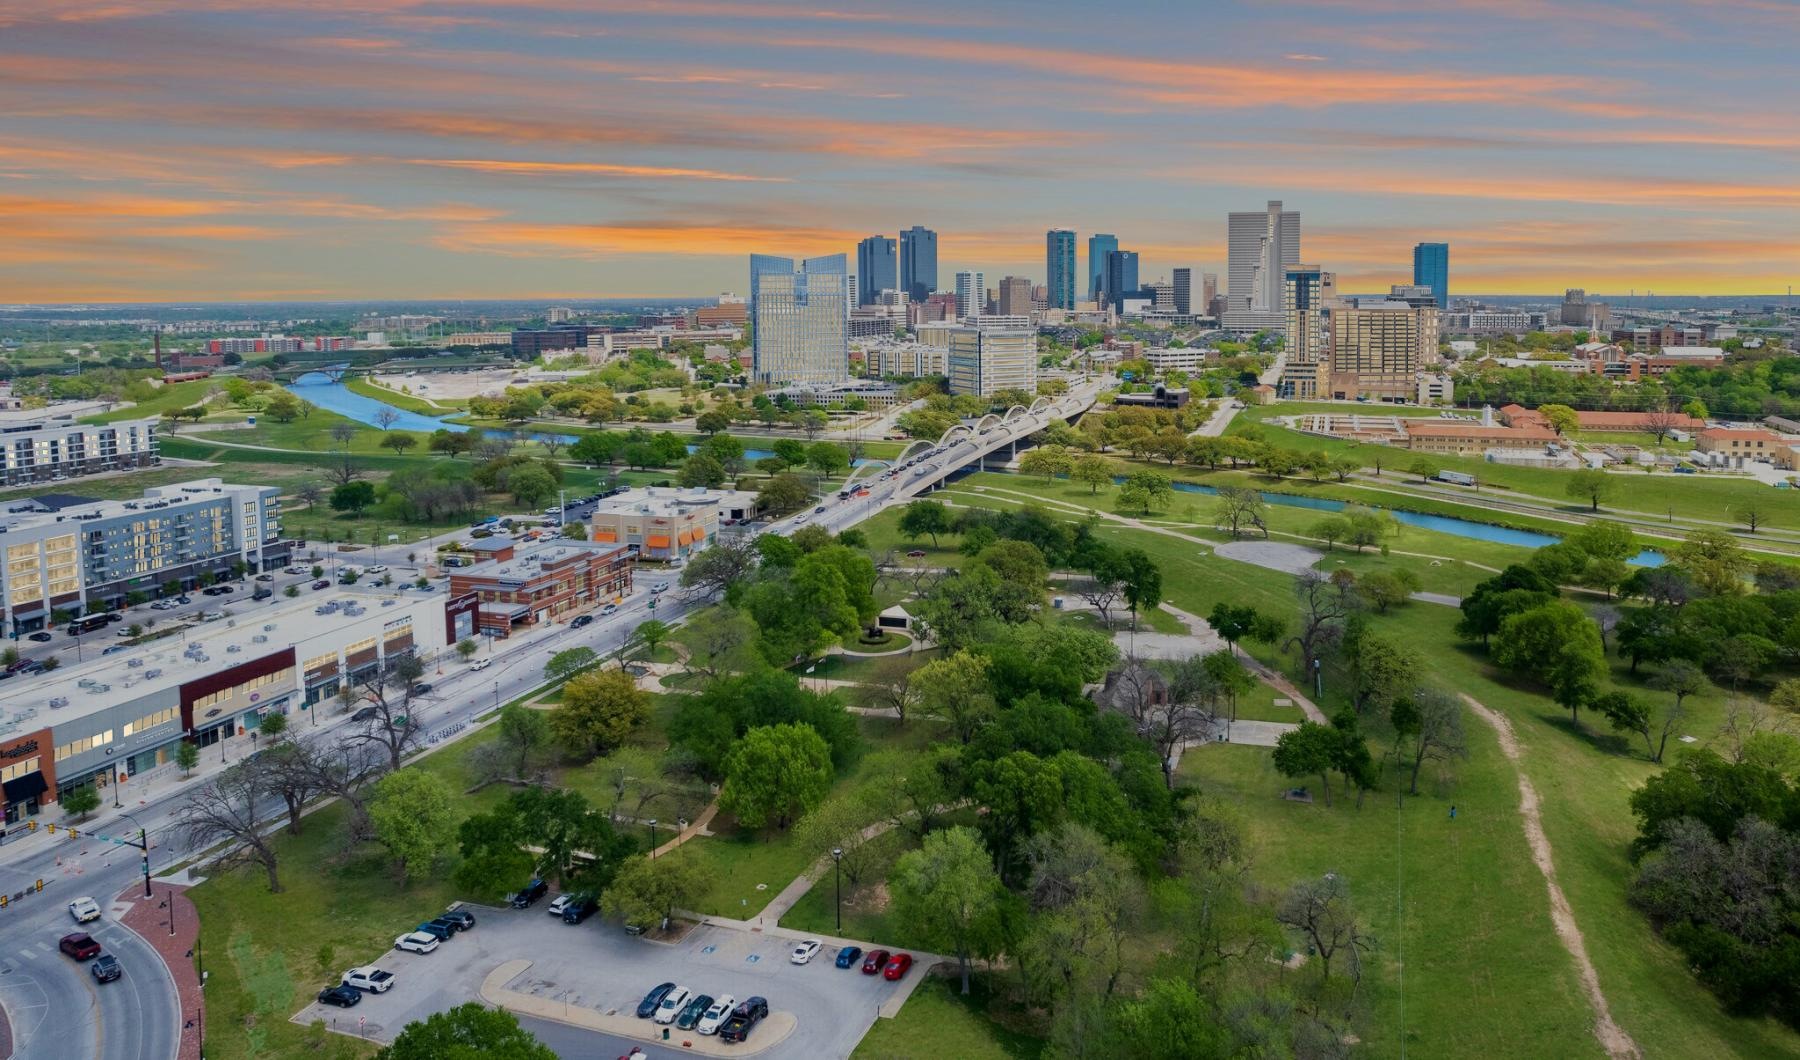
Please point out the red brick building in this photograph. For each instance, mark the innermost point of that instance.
(532, 584)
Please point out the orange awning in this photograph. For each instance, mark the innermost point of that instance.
(657, 541)
(699, 533)
(605, 535)
(684, 537)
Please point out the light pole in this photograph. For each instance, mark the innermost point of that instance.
(115, 786)
(652, 839)
(144, 845)
(837, 861)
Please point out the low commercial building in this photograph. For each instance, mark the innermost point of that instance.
(530, 584)
(1178, 359)
(1609, 422)
(1473, 439)
(1436, 389)
(1739, 445)
(47, 445)
(664, 523)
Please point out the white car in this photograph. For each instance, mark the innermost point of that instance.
(84, 910)
(559, 903)
(659, 587)
(716, 1016)
(609, 609)
(481, 664)
(379, 568)
(672, 1005)
(805, 951)
(369, 978)
(417, 942)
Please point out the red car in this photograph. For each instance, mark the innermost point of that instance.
(874, 961)
(897, 967)
(80, 946)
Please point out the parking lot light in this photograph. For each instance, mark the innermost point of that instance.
(837, 862)
(652, 839)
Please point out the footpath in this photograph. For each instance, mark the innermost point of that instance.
(169, 922)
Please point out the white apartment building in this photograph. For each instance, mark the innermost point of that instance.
(47, 445)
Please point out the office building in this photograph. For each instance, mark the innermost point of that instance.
(971, 295)
(1209, 291)
(1377, 349)
(876, 268)
(985, 359)
(1261, 247)
(801, 332)
(47, 445)
(1578, 312)
(1059, 267)
(528, 344)
(1307, 318)
(1120, 280)
(1416, 295)
(1015, 297)
(666, 523)
(918, 262)
(1184, 290)
(519, 586)
(64, 553)
(1431, 268)
(1162, 296)
(1100, 245)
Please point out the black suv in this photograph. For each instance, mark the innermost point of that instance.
(528, 894)
(743, 1018)
(579, 908)
(437, 929)
(462, 918)
(342, 996)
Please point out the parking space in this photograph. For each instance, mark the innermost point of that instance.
(593, 975)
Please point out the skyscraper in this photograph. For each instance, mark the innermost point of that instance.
(1431, 268)
(1059, 267)
(1184, 290)
(971, 294)
(1261, 248)
(1100, 245)
(982, 360)
(1120, 280)
(1209, 293)
(801, 330)
(918, 262)
(1015, 297)
(875, 268)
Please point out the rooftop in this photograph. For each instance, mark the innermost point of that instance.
(668, 502)
(154, 499)
(1446, 429)
(531, 559)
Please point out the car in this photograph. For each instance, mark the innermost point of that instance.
(379, 568)
(875, 961)
(418, 942)
(322, 583)
(265, 577)
(559, 903)
(647, 1007)
(897, 966)
(106, 968)
(364, 714)
(211, 616)
(917, 553)
(580, 908)
(41, 636)
(692, 1011)
(715, 1015)
(481, 664)
(113, 616)
(421, 688)
(671, 1005)
(340, 995)
(743, 1019)
(164, 605)
(127, 633)
(610, 609)
(552, 511)
(848, 956)
(262, 592)
(184, 599)
(293, 570)
(436, 930)
(111, 648)
(798, 519)
(84, 910)
(370, 978)
(80, 946)
(659, 587)
(582, 620)
(223, 590)
(463, 919)
(454, 925)
(525, 896)
(805, 951)
(819, 510)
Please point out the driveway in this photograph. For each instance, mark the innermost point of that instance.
(591, 977)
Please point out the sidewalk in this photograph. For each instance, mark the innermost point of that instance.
(148, 918)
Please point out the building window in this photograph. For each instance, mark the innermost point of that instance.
(86, 743)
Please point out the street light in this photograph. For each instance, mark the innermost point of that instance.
(652, 839)
(144, 840)
(837, 861)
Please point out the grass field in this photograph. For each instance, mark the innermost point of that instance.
(937, 1022)
(172, 396)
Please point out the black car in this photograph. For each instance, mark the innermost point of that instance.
(341, 996)
(113, 616)
(579, 908)
(581, 620)
(462, 918)
(40, 636)
(743, 1018)
(450, 922)
(530, 893)
(437, 929)
(647, 1007)
(106, 968)
(364, 714)
(420, 689)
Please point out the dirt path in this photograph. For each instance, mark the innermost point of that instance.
(1612, 1037)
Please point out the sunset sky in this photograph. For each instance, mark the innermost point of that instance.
(293, 149)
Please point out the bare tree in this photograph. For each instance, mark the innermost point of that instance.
(388, 690)
(1190, 711)
(341, 469)
(342, 771)
(1659, 422)
(1101, 593)
(1440, 730)
(310, 492)
(224, 811)
(1320, 910)
(1324, 605)
(1240, 506)
(288, 772)
(1607, 618)
(892, 685)
(552, 443)
(386, 417)
(342, 432)
(1745, 719)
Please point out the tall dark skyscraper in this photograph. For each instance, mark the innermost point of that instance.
(1184, 290)
(1121, 279)
(1100, 245)
(918, 262)
(875, 268)
(1431, 268)
(1059, 267)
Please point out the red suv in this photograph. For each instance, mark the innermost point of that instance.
(875, 961)
(80, 946)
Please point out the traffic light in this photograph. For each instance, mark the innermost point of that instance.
(52, 828)
(40, 885)
(73, 834)
(31, 826)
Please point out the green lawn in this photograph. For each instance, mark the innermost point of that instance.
(171, 396)
(937, 1023)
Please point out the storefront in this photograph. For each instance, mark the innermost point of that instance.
(27, 774)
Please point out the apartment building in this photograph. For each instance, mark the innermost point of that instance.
(1377, 349)
(73, 553)
(47, 445)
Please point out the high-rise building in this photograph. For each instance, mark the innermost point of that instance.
(1120, 280)
(1015, 297)
(1184, 290)
(801, 320)
(1261, 248)
(1059, 267)
(875, 268)
(1100, 244)
(1162, 295)
(1578, 312)
(985, 359)
(1308, 323)
(918, 262)
(1378, 347)
(851, 293)
(1431, 268)
(1413, 294)
(971, 294)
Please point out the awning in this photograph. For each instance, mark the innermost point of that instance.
(25, 788)
(684, 538)
(605, 535)
(699, 533)
(657, 541)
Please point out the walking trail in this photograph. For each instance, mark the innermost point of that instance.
(1612, 1037)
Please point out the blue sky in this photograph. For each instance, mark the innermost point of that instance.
(248, 149)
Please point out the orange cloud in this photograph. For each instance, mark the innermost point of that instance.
(511, 167)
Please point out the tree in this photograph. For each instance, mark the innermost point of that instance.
(1331, 530)
(955, 689)
(524, 734)
(598, 710)
(1092, 471)
(1561, 418)
(1142, 583)
(948, 892)
(893, 685)
(651, 633)
(702, 469)
(1557, 644)
(470, 1031)
(1048, 461)
(1307, 751)
(827, 459)
(1382, 671)
(1145, 490)
(1320, 910)
(531, 484)
(783, 493)
(1388, 588)
(1432, 719)
(843, 826)
(412, 812)
(1591, 485)
(386, 417)
(718, 568)
(399, 442)
(1715, 560)
(81, 801)
(775, 774)
(1324, 605)
(569, 662)
(352, 497)
(648, 891)
(1424, 468)
(187, 756)
(1628, 713)
(1239, 507)
(712, 422)
(342, 432)
(225, 812)
(466, 648)
(388, 690)
(924, 518)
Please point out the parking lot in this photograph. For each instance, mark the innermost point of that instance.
(593, 975)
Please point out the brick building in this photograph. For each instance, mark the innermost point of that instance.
(541, 582)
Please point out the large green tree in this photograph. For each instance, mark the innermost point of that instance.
(1559, 645)
(948, 893)
(775, 774)
(470, 1031)
(598, 710)
(412, 812)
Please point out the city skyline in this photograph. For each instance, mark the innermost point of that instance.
(187, 150)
